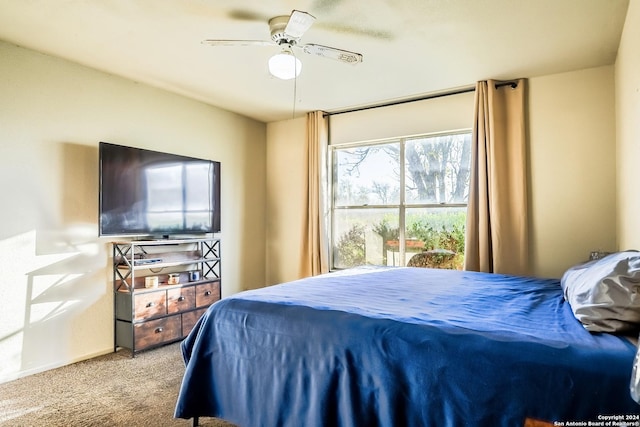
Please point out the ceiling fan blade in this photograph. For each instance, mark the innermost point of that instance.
(333, 53)
(299, 23)
(238, 42)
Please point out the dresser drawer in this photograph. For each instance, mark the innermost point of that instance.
(207, 293)
(181, 299)
(150, 304)
(189, 320)
(157, 331)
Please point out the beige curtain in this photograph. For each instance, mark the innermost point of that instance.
(497, 233)
(314, 254)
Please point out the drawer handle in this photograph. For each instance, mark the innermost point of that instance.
(180, 298)
(207, 293)
(158, 330)
(151, 304)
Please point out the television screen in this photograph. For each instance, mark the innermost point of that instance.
(144, 192)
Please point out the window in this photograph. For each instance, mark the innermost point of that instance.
(395, 198)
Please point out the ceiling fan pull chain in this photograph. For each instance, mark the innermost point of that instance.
(295, 92)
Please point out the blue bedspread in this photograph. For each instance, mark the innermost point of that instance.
(402, 347)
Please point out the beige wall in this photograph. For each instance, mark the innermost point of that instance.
(447, 113)
(55, 281)
(628, 131)
(572, 160)
(286, 194)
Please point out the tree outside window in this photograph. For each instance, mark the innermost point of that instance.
(393, 199)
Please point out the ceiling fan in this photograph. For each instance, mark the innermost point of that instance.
(286, 32)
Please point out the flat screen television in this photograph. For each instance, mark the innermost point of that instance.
(149, 193)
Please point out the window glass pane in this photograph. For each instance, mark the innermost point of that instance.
(437, 169)
(439, 232)
(363, 236)
(368, 175)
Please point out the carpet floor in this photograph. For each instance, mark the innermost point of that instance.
(110, 390)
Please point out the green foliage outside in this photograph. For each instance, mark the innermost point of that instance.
(351, 247)
(437, 230)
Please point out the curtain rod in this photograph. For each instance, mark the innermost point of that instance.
(513, 84)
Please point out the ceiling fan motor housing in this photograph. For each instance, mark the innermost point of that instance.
(277, 26)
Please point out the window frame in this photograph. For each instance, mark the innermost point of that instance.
(401, 206)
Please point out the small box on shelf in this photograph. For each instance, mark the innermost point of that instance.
(151, 282)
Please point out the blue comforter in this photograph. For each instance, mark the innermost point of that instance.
(402, 347)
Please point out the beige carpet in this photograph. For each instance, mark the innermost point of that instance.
(111, 390)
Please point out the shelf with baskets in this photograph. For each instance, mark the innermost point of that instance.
(161, 288)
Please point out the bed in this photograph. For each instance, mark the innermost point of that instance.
(404, 346)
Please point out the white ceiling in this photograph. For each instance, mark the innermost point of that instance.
(410, 47)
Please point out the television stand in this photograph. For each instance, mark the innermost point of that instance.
(149, 317)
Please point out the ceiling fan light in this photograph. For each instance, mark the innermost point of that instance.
(284, 66)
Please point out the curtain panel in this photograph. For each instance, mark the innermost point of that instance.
(497, 238)
(314, 258)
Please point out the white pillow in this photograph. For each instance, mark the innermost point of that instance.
(605, 294)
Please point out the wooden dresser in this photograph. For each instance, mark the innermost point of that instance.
(161, 288)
